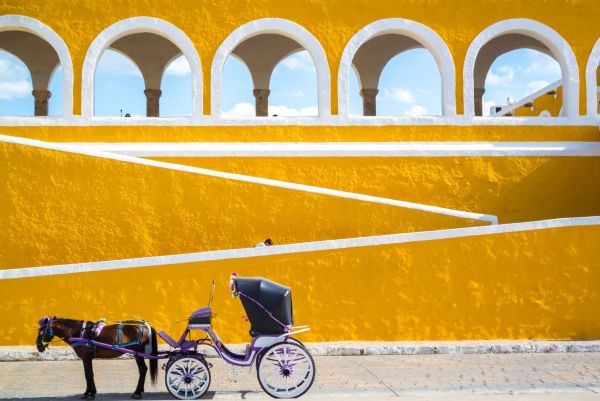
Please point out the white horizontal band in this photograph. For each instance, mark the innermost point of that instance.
(246, 178)
(345, 149)
(297, 248)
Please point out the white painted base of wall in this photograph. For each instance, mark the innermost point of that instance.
(351, 348)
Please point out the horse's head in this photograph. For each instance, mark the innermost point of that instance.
(45, 333)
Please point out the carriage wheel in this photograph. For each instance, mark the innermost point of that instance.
(187, 378)
(286, 370)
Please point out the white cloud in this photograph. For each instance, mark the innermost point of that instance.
(15, 81)
(179, 66)
(399, 95)
(284, 111)
(501, 77)
(487, 106)
(112, 62)
(241, 110)
(542, 64)
(248, 110)
(537, 85)
(297, 93)
(416, 110)
(300, 61)
(12, 90)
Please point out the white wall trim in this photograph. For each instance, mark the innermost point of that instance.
(549, 37)
(297, 248)
(417, 31)
(23, 23)
(590, 80)
(250, 179)
(344, 149)
(136, 25)
(283, 27)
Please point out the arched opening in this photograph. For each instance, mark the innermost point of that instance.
(592, 75)
(522, 83)
(269, 49)
(29, 64)
(176, 87)
(383, 45)
(150, 53)
(27, 44)
(238, 100)
(153, 45)
(409, 84)
(15, 87)
(119, 87)
(506, 36)
(292, 88)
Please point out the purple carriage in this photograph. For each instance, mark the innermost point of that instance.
(284, 367)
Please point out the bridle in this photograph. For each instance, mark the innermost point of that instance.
(48, 331)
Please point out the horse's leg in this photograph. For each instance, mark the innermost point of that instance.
(90, 391)
(142, 368)
(87, 381)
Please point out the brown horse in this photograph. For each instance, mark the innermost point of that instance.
(131, 334)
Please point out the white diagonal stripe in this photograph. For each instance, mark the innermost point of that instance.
(297, 248)
(246, 178)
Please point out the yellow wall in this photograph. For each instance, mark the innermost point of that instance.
(512, 188)
(384, 133)
(547, 102)
(332, 23)
(58, 207)
(524, 285)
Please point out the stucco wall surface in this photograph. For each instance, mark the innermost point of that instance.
(58, 207)
(512, 188)
(332, 23)
(521, 285)
(237, 133)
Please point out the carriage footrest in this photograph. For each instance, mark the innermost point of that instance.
(167, 339)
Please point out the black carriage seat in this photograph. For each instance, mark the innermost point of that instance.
(268, 305)
(201, 316)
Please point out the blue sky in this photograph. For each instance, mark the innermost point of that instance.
(409, 85)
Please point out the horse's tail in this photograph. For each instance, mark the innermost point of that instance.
(153, 362)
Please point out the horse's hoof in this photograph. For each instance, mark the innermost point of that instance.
(90, 397)
(136, 396)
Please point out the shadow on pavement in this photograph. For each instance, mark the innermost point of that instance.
(127, 396)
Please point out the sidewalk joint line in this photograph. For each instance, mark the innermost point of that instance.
(378, 379)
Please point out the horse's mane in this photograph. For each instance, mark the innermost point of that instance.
(69, 322)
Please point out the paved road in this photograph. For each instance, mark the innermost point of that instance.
(489, 377)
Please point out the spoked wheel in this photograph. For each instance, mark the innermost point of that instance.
(187, 377)
(286, 370)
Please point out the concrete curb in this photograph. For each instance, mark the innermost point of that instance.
(64, 353)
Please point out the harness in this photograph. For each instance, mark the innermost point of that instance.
(137, 342)
(95, 329)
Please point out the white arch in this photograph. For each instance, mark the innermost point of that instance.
(279, 26)
(138, 25)
(549, 37)
(414, 30)
(27, 24)
(590, 80)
